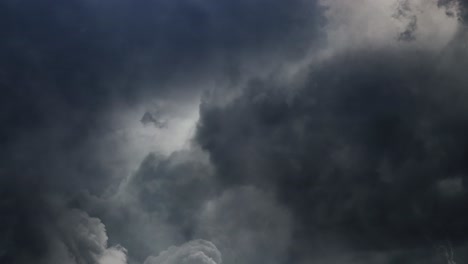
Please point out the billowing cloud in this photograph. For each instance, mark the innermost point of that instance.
(68, 68)
(193, 252)
(63, 235)
(83, 239)
(284, 131)
(359, 152)
(158, 205)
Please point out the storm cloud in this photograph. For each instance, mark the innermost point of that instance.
(209, 132)
(359, 150)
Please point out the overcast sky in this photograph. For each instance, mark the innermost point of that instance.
(233, 131)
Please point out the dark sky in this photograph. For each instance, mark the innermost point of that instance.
(236, 132)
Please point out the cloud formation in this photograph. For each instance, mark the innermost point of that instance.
(358, 150)
(66, 67)
(327, 131)
(84, 241)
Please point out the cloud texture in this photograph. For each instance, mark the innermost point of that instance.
(251, 131)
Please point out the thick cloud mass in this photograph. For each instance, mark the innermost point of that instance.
(247, 225)
(66, 67)
(264, 131)
(370, 147)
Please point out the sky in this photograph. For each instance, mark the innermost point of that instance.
(233, 131)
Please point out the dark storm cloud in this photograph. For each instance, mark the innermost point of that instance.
(370, 151)
(63, 63)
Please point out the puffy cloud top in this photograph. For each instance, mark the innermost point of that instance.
(193, 252)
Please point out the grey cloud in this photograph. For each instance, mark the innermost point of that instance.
(178, 198)
(451, 187)
(247, 225)
(357, 151)
(58, 235)
(153, 119)
(64, 65)
(404, 12)
(158, 205)
(174, 187)
(367, 153)
(431, 255)
(463, 4)
(83, 239)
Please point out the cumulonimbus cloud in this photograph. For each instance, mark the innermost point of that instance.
(364, 151)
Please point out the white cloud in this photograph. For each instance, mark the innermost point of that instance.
(193, 252)
(113, 255)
